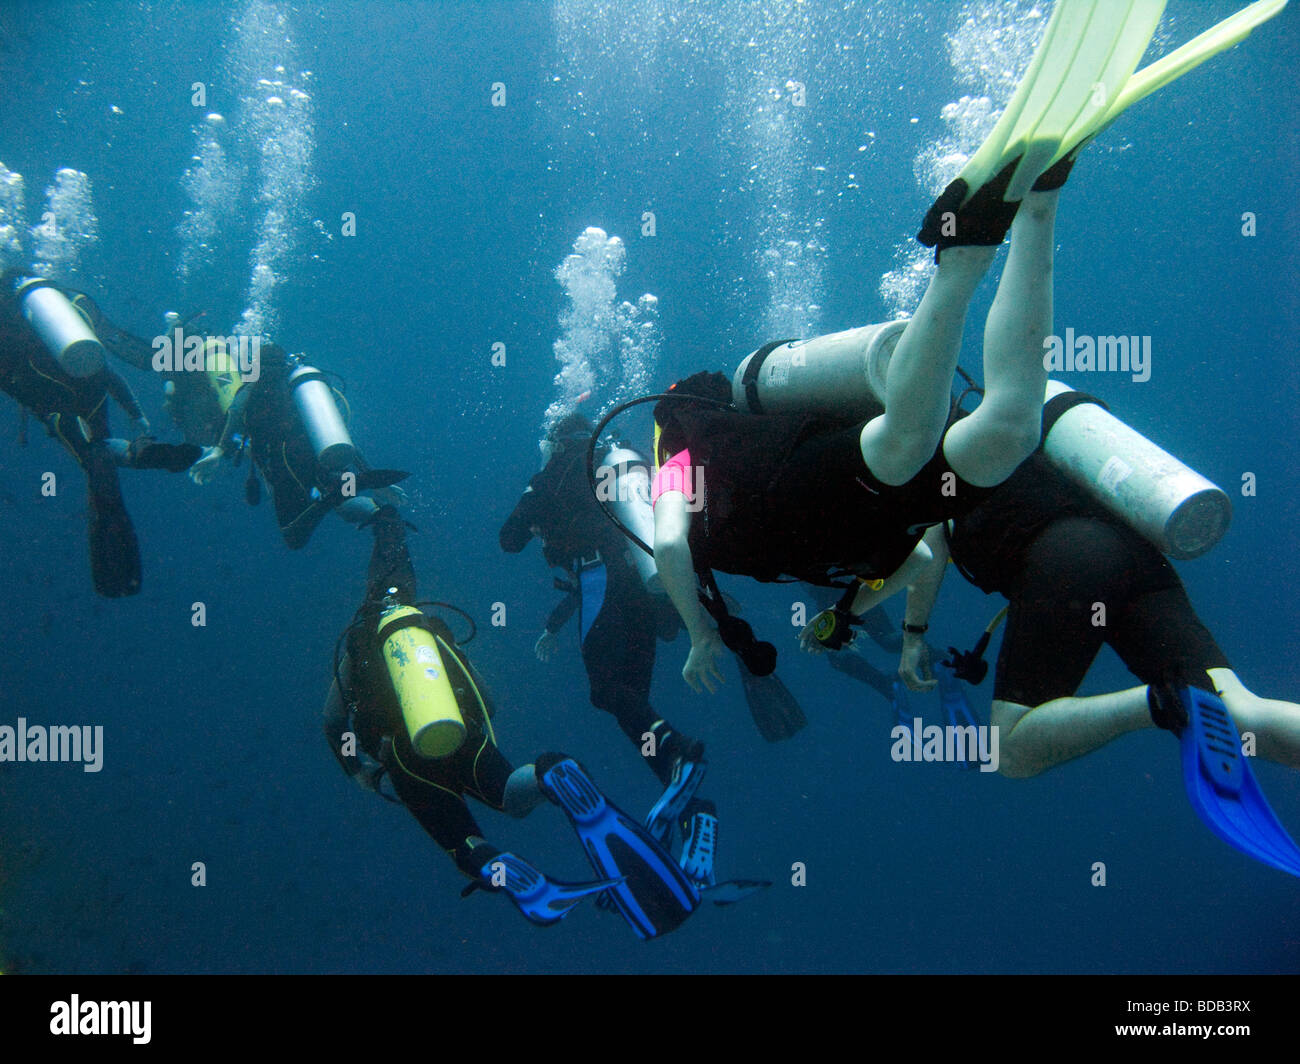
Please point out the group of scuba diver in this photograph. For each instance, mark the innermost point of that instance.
(842, 461)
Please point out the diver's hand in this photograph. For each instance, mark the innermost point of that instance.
(808, 640)
(139, 427)
(545, 646)
(701, 671)
(914, 664)
(205, 468)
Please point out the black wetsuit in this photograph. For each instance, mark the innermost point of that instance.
(620, 620)
(787, 495)
(195, 409)
(432, 789)
(75, 412)
(1055, 554)
(283, 455)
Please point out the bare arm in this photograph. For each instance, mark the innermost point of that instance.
(869, 597)
(206, 467)
(234, 418)
(922, 591)
(677, 574)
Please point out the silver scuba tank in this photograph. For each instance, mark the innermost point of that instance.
(844, 374)
(314, 401)
(623, 484)
(61, 327)
(839, 374)
(1154, 493)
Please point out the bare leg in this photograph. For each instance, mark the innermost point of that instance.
(1274, 723)
(985, 448)
(900, 441)
(522, 794)
(1034, 739)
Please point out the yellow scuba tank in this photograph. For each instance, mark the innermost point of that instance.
(223, 372)
(419, 676)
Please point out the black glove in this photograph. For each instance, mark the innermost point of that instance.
(738, 637)
(968, 665)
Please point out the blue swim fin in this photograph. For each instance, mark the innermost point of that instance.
(688, 774)
(541, 900)
(957, 710)
(652, 893)
(699, 850)
(1221, 786)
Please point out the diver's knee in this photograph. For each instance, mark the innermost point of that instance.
(896, 458)
(1015, 760)
(522, 793)
(1009, 441)
(1012, 760)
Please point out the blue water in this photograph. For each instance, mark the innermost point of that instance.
(213, 751)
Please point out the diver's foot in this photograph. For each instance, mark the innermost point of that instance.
(542, 901)
(1166, 707)
(981, 221)
(171, 457)
(686, 775)
(699, 827)
(1055, 175)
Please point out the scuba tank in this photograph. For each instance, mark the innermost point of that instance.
(223, 372)
(1154, 493)
(623, 484)
(60, 326)
(419, 674)
(314, 400)
(840, 375)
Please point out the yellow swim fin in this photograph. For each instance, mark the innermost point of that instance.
(1088, 51)
(1059, 44)
(1109, 51)
(1231, 31)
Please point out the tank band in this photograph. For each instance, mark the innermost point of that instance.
(411, 620)
(24, 284)
(749, 381)
(1059, 404)
(310, 375)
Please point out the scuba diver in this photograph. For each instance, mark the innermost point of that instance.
(289, 423)
(815, 463)
(406, 705)
(52, 362)
(1077, 574)
(608, 585)
(619, 619)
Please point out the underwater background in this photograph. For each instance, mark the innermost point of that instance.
(473, 228)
